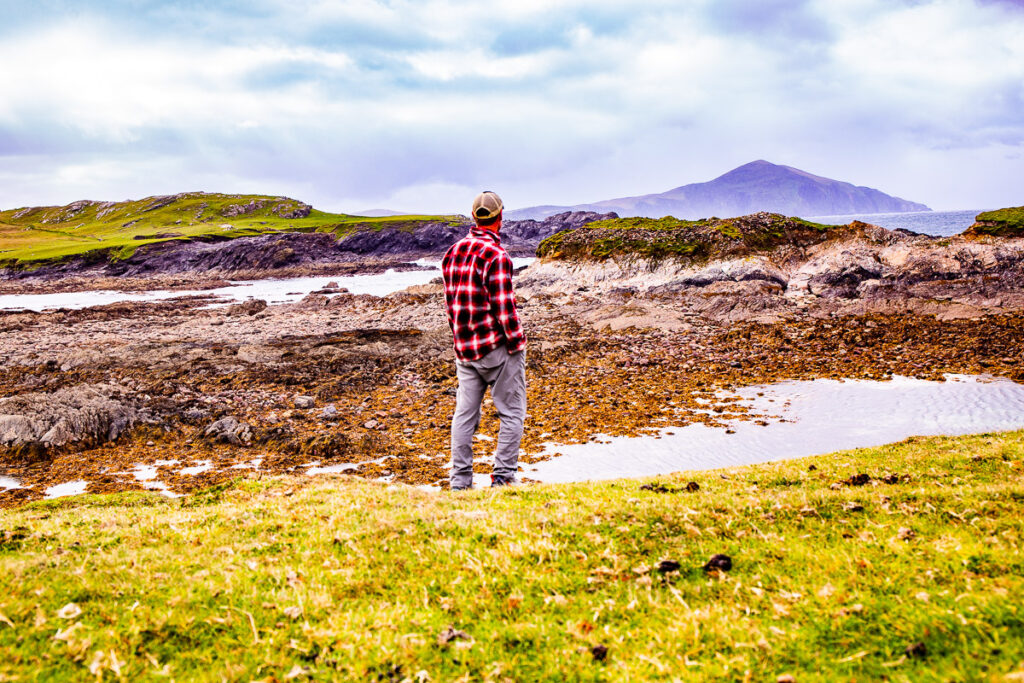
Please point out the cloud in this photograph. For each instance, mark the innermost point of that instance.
(364, 103)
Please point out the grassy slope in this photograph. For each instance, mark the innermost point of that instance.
(1000, 223)
(344, 579)
(115, 230)
(686, 239)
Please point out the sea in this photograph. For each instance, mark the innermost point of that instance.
(935, 223)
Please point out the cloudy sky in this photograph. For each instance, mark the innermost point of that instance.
(417, 105)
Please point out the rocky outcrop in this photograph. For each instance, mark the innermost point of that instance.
(736, 272)
(1000, 223)
(84, 415)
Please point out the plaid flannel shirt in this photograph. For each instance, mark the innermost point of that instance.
(478, 293)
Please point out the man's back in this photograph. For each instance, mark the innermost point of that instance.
(480, 301)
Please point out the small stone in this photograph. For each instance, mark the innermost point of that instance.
(304, 402)
(329, 412)
(451, 633)
(858, 480)
(599, 653)
(370, 424)
(853, 507)
(719, 562)
(917, 651)
(666, 566)
(693, 487)
(785, 678)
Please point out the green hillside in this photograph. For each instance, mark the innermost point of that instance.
(34, 236)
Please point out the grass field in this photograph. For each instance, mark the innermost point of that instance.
(34, 236)
(912, 571)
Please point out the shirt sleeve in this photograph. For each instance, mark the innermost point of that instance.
(503, 302)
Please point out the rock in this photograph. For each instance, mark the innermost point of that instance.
(195, 414)
(329, 412)
(599, 653)
(234, 210)
(292, 210)
(451, 633)
(917, 651)
(857, 480)
(229, 430)
(666, 566)
(85, 414)
(250, 307)
(371, 424)
(304, 402)
(719, 562)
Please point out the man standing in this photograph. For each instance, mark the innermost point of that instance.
(490, 346)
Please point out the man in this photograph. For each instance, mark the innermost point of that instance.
(490, 346)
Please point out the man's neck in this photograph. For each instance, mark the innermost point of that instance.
(491, 229)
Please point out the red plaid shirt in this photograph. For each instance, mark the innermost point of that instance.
(478, 290)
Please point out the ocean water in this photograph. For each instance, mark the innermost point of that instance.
(937, 223)
(273, 291)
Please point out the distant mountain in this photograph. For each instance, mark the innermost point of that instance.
(757, 186)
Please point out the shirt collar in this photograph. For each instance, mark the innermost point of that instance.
(477, 231)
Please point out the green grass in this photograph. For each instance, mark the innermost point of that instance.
(341, 579)
(1000, 223)
(101, 231)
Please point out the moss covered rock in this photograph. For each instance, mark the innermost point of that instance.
(1000, 223)
(699, 240)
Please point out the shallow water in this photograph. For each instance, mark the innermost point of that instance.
(806, 418)
(820, 416)
(273, 291)
(68, 488)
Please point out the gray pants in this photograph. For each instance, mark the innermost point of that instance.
(505, 373)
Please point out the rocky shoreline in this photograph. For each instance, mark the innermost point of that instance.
(618, 346)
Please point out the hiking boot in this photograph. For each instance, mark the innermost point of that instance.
(498, 480)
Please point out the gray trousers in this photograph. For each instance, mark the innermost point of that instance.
(505, 373)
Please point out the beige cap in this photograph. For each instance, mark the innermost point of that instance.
(487, 205)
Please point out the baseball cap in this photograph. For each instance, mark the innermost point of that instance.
(487, 205)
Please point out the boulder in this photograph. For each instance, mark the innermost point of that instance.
(251, 307)
(229, 430)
